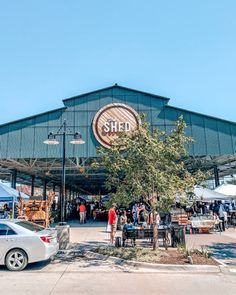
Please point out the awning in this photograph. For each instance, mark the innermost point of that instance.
(227, 189)
(8, 194)
(205, 194)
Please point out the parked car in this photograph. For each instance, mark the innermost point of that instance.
(23, 242)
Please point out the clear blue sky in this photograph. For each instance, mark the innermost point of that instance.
(52, 49)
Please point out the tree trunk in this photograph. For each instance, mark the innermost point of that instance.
(155, 231)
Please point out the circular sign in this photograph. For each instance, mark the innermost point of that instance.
(113, 119)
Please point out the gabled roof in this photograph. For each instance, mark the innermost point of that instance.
(116, 86)
(32, 117)
(199, 114)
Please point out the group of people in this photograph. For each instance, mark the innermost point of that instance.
(140, 215)
(125, 222)
(219, 209)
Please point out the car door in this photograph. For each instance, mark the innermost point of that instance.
(7, 240)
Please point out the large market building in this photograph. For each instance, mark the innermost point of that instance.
(24, 158)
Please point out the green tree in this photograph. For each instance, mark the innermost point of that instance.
(149, 165)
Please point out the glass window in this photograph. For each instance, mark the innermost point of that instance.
(5, 230)
(30, 226)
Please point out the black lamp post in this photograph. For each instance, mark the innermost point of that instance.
(52, 141)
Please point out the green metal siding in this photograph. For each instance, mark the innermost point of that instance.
(24, 138)
(212, 136)
(225, 138)
(233, 132)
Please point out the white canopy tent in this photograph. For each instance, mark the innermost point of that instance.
(227, 189)
(205, 194)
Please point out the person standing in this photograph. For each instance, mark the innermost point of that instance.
(6, 211)
(112, 222)
(92, 206)
(134, 213)
(123, 219)
(222, 215)
(82, 213)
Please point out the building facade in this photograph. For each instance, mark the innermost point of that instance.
(24, 155)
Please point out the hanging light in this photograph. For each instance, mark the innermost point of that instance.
(81, 169)
(77, 139)
(51, 139)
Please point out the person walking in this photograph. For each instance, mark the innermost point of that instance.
(82, 213)
(112, 218)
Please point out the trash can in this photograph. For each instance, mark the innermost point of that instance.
(63, 235)
(177, 235)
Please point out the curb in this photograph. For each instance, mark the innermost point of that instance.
(159, 267)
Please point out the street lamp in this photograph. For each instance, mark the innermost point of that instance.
(51, 140)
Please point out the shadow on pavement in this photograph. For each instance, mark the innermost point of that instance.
(32, 266)
(89, 223)
(224, 251)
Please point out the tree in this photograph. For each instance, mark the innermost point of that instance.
(148, 165)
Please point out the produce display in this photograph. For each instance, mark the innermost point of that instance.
(38, 211)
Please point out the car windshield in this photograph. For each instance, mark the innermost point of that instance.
(30, 226)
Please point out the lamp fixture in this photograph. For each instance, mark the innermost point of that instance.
(51, 139)
(77, 139)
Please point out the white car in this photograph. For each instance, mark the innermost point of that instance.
(23, 242)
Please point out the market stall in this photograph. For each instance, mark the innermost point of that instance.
(37, 211)
(203, 223)
(9, 198)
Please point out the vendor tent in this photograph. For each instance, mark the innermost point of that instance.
(10, 194)
(227, 189)
(205, 194)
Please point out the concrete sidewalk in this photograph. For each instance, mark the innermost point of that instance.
(222, 245)
(90, 232)
(80, 275)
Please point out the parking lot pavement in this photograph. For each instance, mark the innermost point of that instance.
(74, 281)
(72, 273)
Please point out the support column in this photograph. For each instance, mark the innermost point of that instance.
(54, 188)
(216, 175)
(13, 178)
(59, 204)
(45, 189)
(32, 185)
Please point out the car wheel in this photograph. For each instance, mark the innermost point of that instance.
(16, 260)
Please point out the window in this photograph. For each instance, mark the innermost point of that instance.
(5, 230)
(30, 226)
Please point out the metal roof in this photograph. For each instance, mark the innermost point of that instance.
(120, 87)
(199, 114)
(33, 116)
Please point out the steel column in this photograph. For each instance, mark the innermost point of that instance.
(32, 185)
(216, 175)
(45, 189)
(13, 178)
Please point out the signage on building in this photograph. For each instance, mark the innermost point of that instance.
(113, 119)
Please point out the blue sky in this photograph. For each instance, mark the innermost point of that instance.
(50, 50)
